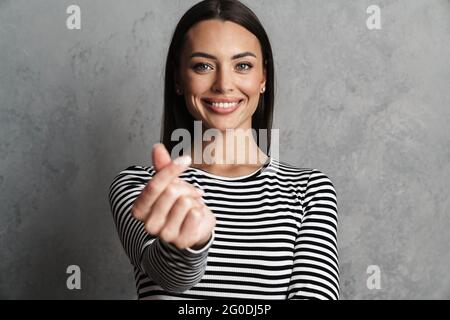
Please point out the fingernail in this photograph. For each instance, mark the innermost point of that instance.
(183, 161)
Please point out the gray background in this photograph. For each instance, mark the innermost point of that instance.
(369, 108)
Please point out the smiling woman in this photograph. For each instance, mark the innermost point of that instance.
(220, 229)
(216, 80)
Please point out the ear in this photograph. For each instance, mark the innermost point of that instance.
(265, 69)
(263, 84)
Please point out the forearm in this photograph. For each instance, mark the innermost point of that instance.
(173, 269)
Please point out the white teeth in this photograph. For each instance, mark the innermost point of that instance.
(226, 105)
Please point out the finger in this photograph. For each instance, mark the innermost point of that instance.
(189, 234)
(157, 185)
(160, 156)
(200, 199)
(205, 228)
(157, 215)
(175, 218)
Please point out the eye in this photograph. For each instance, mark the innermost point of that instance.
(201, 67)
(244, 66)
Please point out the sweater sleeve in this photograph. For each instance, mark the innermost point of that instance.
(173, 269)
(316, 269)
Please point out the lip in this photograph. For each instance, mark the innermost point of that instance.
(219, 110)
(223, 100)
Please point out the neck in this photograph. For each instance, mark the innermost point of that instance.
(228, 149)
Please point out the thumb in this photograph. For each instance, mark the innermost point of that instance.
(160, 156)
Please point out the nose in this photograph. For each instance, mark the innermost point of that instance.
(224, 81)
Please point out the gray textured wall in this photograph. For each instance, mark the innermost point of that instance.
(369, 108)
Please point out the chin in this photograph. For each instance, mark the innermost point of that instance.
(224, 124)
(221, 126)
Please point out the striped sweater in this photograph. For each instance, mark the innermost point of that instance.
(275, 237)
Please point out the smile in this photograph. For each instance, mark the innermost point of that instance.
(222, 107)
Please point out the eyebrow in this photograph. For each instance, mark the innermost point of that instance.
(236, 56)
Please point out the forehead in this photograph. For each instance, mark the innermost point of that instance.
(225, 37)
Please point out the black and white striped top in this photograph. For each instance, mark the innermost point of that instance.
(275, 237)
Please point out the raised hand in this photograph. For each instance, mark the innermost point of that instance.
(171, 208)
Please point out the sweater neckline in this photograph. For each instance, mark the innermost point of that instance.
(255, 173)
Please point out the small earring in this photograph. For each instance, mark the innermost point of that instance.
(263, 90)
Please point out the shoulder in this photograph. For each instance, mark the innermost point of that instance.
(309, 179)
(137, 170)
(318, 177)
(133, 174)
(315, 190)
(304, 173)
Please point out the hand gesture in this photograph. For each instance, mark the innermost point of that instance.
(171, 208)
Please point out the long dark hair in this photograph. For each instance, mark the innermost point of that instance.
(176, 114)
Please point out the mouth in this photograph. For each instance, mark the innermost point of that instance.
(222, 107)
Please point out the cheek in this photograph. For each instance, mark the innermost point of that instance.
(196, 84)
(251, 87)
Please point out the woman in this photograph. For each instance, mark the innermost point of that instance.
(214, 228)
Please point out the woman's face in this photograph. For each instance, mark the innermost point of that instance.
(221, 74)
